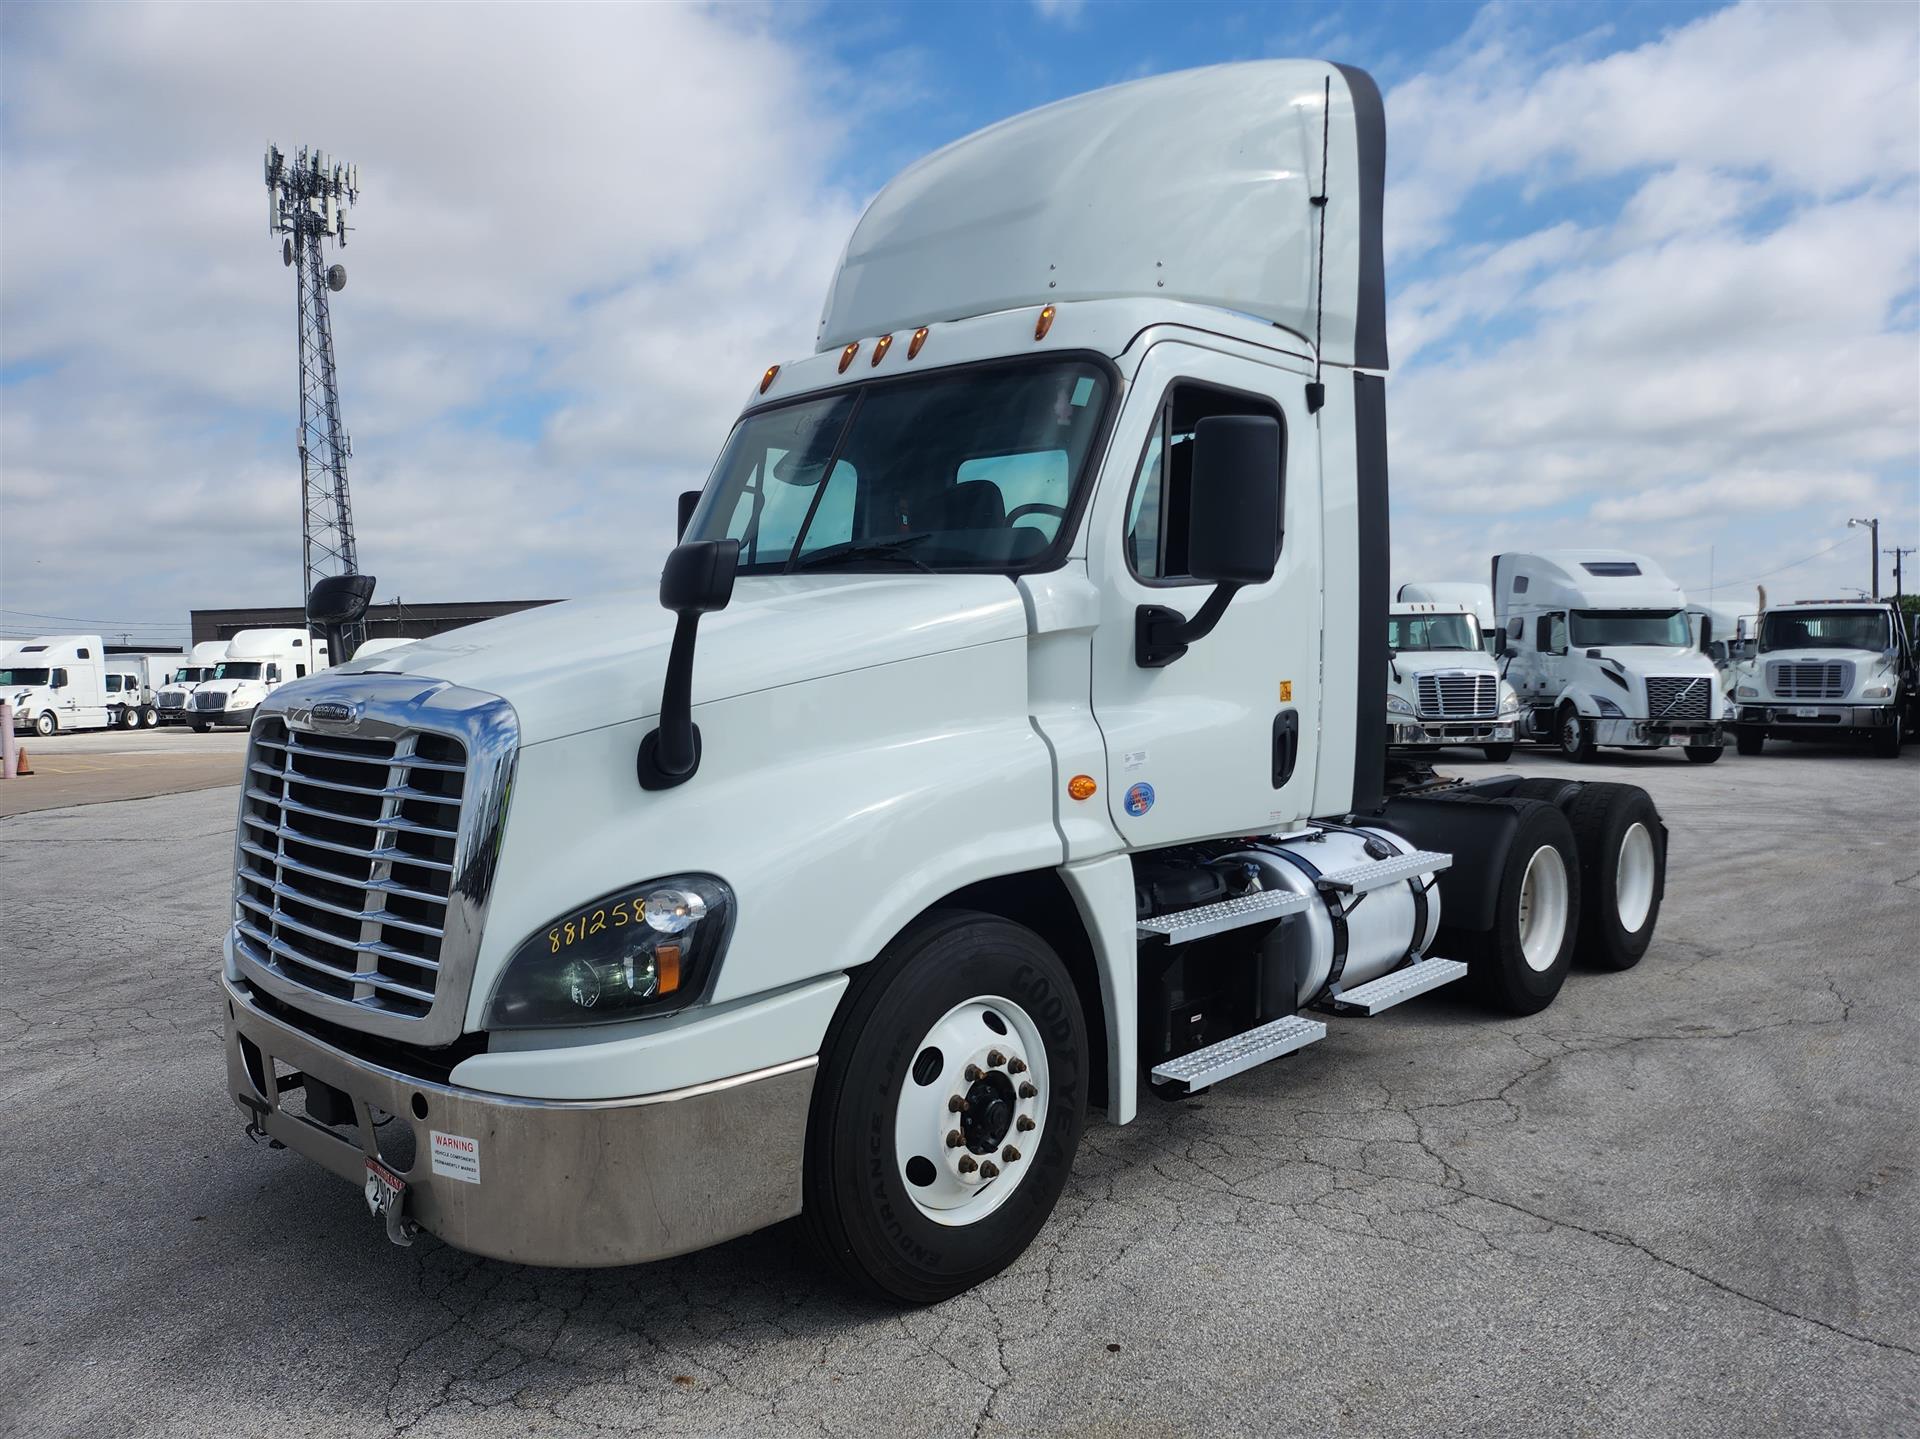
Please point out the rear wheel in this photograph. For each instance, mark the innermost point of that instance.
(1749, 739)
(1703, 753)
(1520, 963)
(129, 717)
(150, 717)
(1498, 753)
(1623, 872)
(949, 1105)
(1574, 734)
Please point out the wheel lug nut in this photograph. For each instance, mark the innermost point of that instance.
(1016, 1065)
(1024, 1122)
(1009, 1154)
(972, 1072)
(989, 1170)
(955, 1139)
(995, 1059)
(967, 1165)
(957, 1105)
(1027, 1091)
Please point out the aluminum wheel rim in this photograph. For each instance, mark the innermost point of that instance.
(1570, 733)
(959, 1184)
(1633, 878)
(1543, 908)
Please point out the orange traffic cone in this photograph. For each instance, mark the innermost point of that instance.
(21, 766)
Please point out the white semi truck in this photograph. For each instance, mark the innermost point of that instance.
(1442, 687)
(59, 682)
(1008, 741)
(256, 662)
(1475, 599)
(185, 678)
(1828, 669)
(1602, 651)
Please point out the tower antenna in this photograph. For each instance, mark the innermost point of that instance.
(308, 196)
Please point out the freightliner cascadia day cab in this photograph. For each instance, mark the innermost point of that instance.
(1829, 669)
(1007, 741)
(185, 678)
(1476, 600)
(1602, 650)
(256, 662)
(1442, 688)
(58, 682)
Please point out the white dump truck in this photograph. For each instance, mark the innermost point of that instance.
(185, 677)
(1442, 688)
(1475, 599)
(1602, 651)
(1007, 742)
(58, 682)
(256, 662)
(1829, 669)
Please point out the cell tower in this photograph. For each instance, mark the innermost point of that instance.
(307, 200)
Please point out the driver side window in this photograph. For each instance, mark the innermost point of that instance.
(1156, 540)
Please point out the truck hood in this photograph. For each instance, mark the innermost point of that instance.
(1861, 660)
(1419, 662)
(1655, 659)
(584, 664)
(29, 695)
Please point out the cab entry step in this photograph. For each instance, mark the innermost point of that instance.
(1361, 878)
(1181, 925)
(1397, 987)
(1240, 1052)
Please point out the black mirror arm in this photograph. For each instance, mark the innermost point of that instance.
(671, 753)
(1161, 635)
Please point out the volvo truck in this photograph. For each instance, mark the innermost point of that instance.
(1005, 742)
(1442, 687)
(1602, 651)
(198, 667)
(256, 662)
(58, 682)
(1826, 670)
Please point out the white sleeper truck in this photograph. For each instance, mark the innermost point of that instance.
(256, 663)
(59, 682)
(1007, 742)
(1442, 688)
(1476, 600)
(1829, 669)
(1601, 648)
(197, 667)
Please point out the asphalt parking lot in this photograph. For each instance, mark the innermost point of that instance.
(97, 766)
(1683, 1200)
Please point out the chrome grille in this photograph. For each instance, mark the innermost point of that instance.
(1679, 697)
(207, 700)
(1810, 679)
(1460, 694)
(346, 861)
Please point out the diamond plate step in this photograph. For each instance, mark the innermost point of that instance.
(1184, 924)
(1397, 987)
(1361, 878)
(1243, 1051)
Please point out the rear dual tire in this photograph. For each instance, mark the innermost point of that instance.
(1520, 963)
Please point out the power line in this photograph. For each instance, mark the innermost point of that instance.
(1792, 564)
(88, 620)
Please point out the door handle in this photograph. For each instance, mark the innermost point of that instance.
(1286, 745)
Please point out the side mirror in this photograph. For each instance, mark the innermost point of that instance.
(697, 580)
(1236, 503)
(1706, 634)
(689, 502)
(337, 604)
(1499, 642)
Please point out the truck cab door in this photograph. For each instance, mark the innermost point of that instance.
(1224, 739)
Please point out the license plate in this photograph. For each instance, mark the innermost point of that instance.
(386, 1191)
(1806, 712)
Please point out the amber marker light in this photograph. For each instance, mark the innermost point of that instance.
(919, 339)
(1081, 786)
(1043, 324)
(880, 348)
(846, 355)
(766, 380)
(666, 958)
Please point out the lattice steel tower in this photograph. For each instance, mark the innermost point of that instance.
(307, 204)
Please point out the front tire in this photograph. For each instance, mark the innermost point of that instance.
(46, 725)
(1887, 741)
(200, 726)
(1749, 740)
(1703, 753)
(909, 1063)
(1498, 753)
(1623, 872)
(1574, 734)
(1520, 964)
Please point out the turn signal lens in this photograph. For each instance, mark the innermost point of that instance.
(1043, 324)
(919, 339)
(1081, 786)
(667, 958)
(880, 348)
(767, 379)
(846, 355)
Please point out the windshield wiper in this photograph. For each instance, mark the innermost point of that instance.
(892, 549)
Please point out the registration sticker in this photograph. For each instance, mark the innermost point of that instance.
(455, 1156)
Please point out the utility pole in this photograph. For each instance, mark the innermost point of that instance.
(1899, 592)
(1873, 548)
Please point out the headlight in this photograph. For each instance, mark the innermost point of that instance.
(1509, 700)
(639, 951)
(1748, 692)
(1397, 705)
(1606, 706)
(1877, 692)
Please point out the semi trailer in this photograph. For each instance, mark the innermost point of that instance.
(1007, 743)
(1830, 669)
(1442, 687)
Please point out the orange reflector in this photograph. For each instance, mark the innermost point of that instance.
(880, 348)
(767, 379)
(1043, 324)
(846, 355)
(1081, 786)
(919, 339)
(667, 958)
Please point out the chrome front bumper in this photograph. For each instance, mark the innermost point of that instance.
(1435, 732)
(1654, 734)
(575, 1185)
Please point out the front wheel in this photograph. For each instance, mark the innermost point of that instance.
(200, 726)
(1575, 735)
(950, 1101)
(1703, 753)
(1498, 753)
(45, 724)
(1749, 740)
(1886, 741)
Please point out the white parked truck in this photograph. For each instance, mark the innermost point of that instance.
(1476, 600)
(256, 662)
(58, 682)
(187, 676)
(1442, 688)
(1829, 669)
(1602, 651)
(1008, 742)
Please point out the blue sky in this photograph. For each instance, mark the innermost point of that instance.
(1654, 272)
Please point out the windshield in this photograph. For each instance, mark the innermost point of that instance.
(968, 470)
(1431, 632)
(23, 677)
(238, 670)
(1825, 630)
(1594, 628)
(189, 675)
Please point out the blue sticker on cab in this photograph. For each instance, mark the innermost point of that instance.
(1139, 799)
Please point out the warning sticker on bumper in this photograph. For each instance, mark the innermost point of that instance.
(455, 1156)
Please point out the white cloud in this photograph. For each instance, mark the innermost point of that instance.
(1061, 12)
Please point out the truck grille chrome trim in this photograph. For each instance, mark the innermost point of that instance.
(1810, 679)
(1680, 697)
(1458, 694)
(365, 854)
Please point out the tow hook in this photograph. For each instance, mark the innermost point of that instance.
(254, 1130)
(387, 1199)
